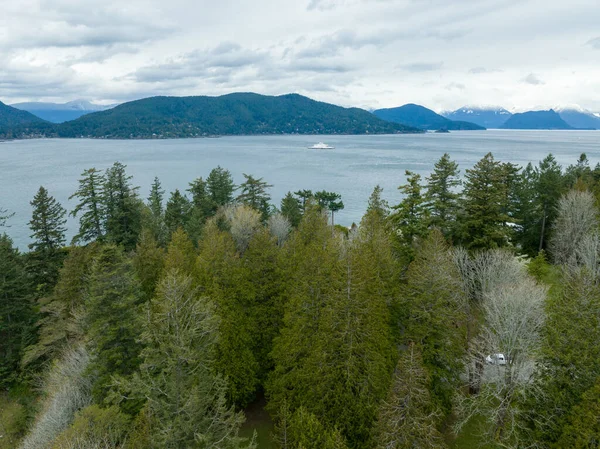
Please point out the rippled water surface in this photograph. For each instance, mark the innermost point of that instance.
(353, 168)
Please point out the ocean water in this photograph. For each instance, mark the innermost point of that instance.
(353, 168)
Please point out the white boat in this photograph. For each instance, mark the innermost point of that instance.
(321, 146)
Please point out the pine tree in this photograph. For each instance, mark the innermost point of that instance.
(485, 201)
(185, 398)
(177, 212)
(17, 316)
(4, 215)
(409, 218)
(330, 201)
(148, 261)
(157, 212)
(291, 209)
(254, 194)
(112, 319)
(123, 208)
(408, 418)
(304, 196)
(220, 188)
(441, 194)
(527, 211)
(550, 187)
(91, 206)
(48, 231)
(377, 204)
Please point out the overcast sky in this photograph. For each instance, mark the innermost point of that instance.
(369, 53)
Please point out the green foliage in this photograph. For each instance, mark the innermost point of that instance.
(377, 204)
(112, 318)
(177, 212)
(408, 418)
(441, 196)
(156, 221)
(431, 314)
(254, 194)
(91, 206)
(486, 213)
(220, 188)
(148, 261)
(330, 201)
(233, 114)
(291, 209)
(582, 430)
(13, 422)
(48, 231)
(307, 432)
(17, 315)
(122, 207)
(186, 400)
(94, 427)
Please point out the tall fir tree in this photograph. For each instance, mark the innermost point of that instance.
(220, 188)
(441, 196)
(111, 315)
(123, 208)
(550, 186)
(148, 261)
(329, 201)
(91, 206)
(484, 224)
(155, 204)
(177, 213)
(47, 225)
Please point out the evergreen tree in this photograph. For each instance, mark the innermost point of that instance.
(112, 318)
(254, 194)
(201, 198)
(220, 188)
(48, 231)
(17, 316)
(410, 217)
(291, 208)
(441, 196)
(408, 418)
(4, 215)
(330, 201)
(222, 276)
(485, 201)
(185, 398)
(527, 211)
(177, 212)
(148, 261)
(122, 207)
(157, 212)
(91, 206)
(60, 324)
(304, 196)
(550, 187)
(431, 315)
(377, 204)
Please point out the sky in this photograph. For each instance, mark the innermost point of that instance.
(520, 54)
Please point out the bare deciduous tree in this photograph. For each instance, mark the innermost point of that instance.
(67, 390)
(244, 222)
(280, 227)
(577, 217)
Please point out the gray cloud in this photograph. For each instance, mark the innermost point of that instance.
(418, 67)
(455, 86)
(533, 79)
(480, 70)
(594, 43)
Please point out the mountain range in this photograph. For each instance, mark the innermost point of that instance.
(536, 120)
(421, 117)
(575, 117)
(11, 117)
(61, 112)
(232, 114)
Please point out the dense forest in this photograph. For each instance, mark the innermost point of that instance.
(232, 114)
(167, 318)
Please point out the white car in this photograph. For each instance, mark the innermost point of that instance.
(496, 359)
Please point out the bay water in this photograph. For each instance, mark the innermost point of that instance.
(353, 168)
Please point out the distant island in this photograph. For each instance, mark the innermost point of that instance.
(536, 120)
(423, 118)
(233, 114)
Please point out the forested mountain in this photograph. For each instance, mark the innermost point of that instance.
(234, 114)
(11, 117)
(536, 120)
(60, 112)
(166, 319)
(489, 117)
(421, 117)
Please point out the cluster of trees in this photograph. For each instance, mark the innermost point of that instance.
(163, 320)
